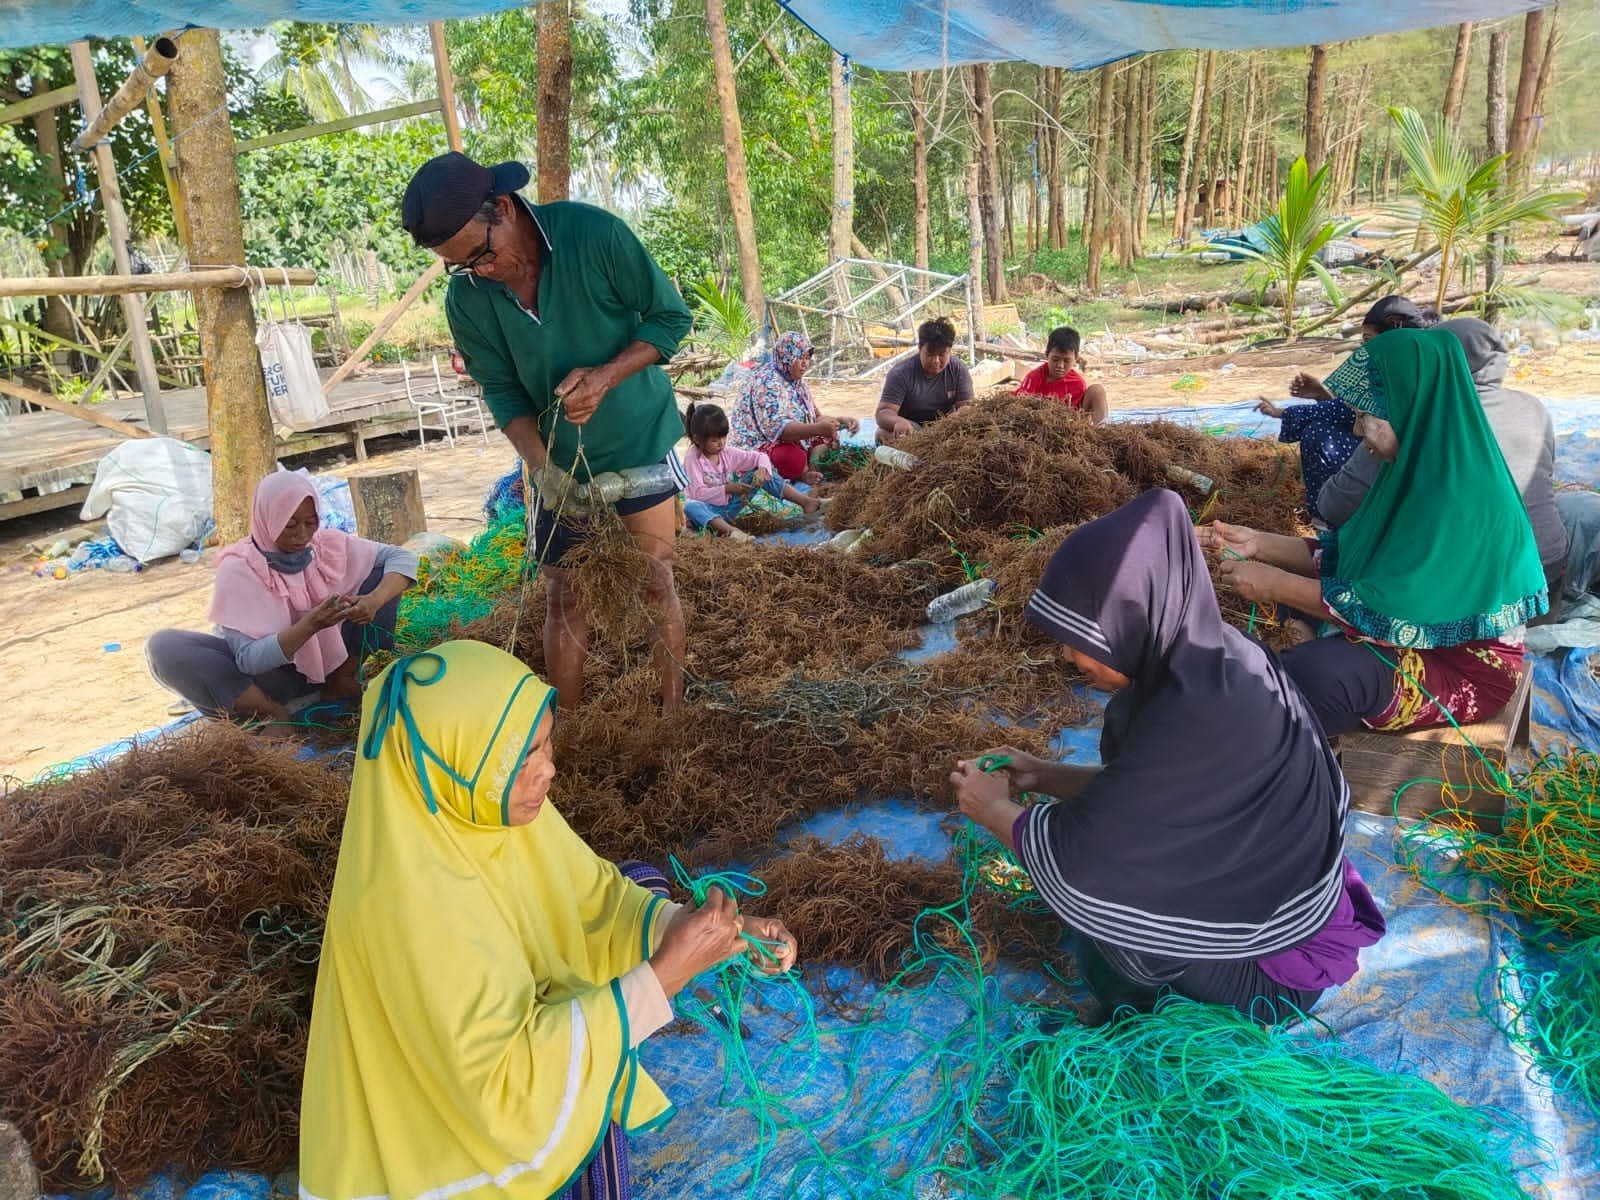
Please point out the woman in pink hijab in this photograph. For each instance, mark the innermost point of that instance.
(296, 608)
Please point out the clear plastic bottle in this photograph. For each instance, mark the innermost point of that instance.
(188, 556)
(611, 486)
(968, 598)
(893, 456)
(78, 559)
(123, 564)
(1201, 483)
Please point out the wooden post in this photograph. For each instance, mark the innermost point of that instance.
(447, 85)
(144, 359)
(919, 166)
(842, 215)
(243, 450)
(388, 506)
(1495, 136)
(342, 372)
(153, 64)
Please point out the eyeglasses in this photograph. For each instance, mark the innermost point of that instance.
(481, 259)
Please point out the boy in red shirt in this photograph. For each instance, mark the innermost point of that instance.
(1059, 379)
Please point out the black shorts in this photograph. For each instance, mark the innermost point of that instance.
(552, 539)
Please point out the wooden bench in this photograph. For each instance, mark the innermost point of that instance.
(1380, 764)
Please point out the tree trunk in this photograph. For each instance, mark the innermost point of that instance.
(1236, 193)
(975, 249)
(1202, 151)
(1316, 134)
(989, 184)
(1141, 167)
(1180, 208)
(243, 451)
(842, 221)
(1495, 137)
(1456, 91)
(554, 115)
(744, 225)
(1217, 196)
(1055, 189)
(1546, 73)
(1009, 208)
(1519, 138)
(1128, 185)
(1099, 167)
(919, 168)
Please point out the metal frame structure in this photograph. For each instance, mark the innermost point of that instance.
(839, 308)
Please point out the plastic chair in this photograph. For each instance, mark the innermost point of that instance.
(448, 409)
(463, 403)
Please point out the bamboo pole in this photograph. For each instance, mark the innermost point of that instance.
(144, 359)
(158, 126)
(157, 62)
(174, 281)
(344, 369)
(43, 102)
(447, 85)
(398, 112)
(243, 448)
(82, 411)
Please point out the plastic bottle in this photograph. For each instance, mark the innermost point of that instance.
(968, 598)
(893, 456)
(188, 556)
(1201, 483)
(846, 540)
(611, 486)
(78, 559)
(122, 564)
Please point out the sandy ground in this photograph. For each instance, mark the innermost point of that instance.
(74, 649)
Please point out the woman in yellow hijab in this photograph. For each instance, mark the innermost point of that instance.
(486, 978)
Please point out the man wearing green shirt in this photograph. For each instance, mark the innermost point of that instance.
(562, 316)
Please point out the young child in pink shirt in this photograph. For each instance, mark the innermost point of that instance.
(721, 476)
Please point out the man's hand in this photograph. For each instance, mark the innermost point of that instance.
(582, 390)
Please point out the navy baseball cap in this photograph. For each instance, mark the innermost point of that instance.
(447, 192)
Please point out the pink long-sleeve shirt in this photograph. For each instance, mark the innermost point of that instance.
(708, 477)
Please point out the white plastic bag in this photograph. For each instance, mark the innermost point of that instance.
(294, 389)
(158, 493)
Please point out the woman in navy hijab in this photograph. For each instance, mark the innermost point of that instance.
(1206, 857)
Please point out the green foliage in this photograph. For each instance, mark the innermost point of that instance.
(315, 64)
(303, 199)
(1293, 234)
(1459, 203)
(722, 319)
(1066, 266)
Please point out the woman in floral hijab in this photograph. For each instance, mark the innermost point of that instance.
(774, 412)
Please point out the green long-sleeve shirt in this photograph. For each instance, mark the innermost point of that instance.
(599, 290)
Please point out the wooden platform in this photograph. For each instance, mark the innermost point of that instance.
(1379, 764)
(48, 460)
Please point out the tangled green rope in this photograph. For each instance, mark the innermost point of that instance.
(464, 585)
(991, 1098)
(1554, 1016)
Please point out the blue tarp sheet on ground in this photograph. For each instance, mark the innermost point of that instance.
(891, 34)
(1420, 1005)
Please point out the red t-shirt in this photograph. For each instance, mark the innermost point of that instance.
(1070, 387)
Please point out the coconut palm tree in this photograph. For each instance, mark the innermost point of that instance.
(1459, 204)
(314, 64)
(1291, 236)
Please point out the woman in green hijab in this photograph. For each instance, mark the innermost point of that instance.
(1424, 592)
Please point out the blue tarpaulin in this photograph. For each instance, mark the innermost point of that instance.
(897, 35)
(914, 35)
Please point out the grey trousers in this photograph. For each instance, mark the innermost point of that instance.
(1242, 985)
(201, 668)
(1580, 513)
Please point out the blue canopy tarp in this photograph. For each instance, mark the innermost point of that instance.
(900, 35)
